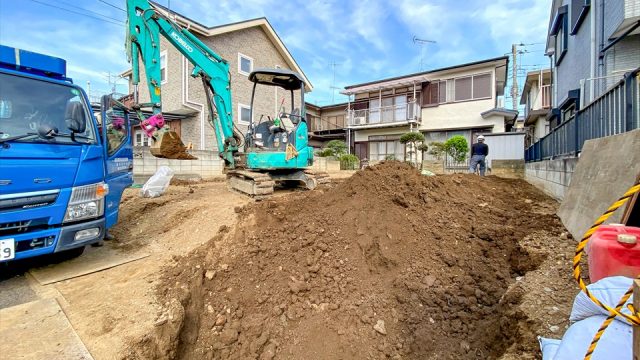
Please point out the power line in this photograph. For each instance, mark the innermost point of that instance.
(87, 10)
(113, 6)
(117, 22)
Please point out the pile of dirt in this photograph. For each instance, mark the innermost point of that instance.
(387, 264)
(171, 147)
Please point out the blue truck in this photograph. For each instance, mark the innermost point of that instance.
(62, 169)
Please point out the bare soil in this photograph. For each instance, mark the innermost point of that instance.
(387, 264)
(172, 147)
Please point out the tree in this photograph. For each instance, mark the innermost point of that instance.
(437, 149)
(457, 147)
(412, 139)
(335, 148)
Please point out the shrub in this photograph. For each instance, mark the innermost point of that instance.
(457, 147)
(337, 147)
(437, 149)
(349, 162)
(324, 153)
(390, 157)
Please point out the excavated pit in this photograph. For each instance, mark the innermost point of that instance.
(388, 264)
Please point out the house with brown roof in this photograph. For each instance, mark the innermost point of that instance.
(463, 99)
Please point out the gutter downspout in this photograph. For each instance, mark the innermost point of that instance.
(592, 70)
(199, 107)
(601, 47)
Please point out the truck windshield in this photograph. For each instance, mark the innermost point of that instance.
(27, 103)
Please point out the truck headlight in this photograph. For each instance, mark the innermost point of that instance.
(86, 202)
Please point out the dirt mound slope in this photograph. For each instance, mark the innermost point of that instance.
(387, 264)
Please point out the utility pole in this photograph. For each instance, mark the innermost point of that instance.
(422, 43)
(514, 77)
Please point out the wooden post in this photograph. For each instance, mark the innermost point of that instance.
(636, 329)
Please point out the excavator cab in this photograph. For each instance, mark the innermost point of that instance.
(276, 132)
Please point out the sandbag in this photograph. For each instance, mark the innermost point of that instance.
(587, 317)
(549, 347)
(158, 183)
(616, 342)
(609, 291)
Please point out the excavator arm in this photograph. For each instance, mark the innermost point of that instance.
(145, 25)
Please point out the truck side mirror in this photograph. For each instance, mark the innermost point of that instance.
(75, 118)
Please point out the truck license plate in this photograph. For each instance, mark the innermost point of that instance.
(7, 249)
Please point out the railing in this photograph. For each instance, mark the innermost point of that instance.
(614, 112)
(317, 123)
(545, 91)
(402, 113)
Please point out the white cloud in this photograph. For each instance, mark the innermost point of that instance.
(510, 23)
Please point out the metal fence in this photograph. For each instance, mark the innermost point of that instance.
(614, 112)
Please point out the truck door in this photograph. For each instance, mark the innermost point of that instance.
(116, 140)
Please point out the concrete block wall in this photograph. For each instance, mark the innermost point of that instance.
(551, 176)
(508, 168)
(208, 165)
(325, 164)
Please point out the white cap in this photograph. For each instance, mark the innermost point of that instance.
(480, 138)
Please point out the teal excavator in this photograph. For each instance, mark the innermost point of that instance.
(272, 150)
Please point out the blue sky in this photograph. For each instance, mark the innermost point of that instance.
(367, 39)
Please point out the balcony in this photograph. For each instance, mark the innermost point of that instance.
(545, 91)
(384, 116)
(323, 123)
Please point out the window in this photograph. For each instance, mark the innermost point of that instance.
(245, 64)
(560, 32)
(430, 93)
(442, 92)
(482, 86)
(141, 139)
(472, 87)
(463, 88)
(383, 150)
(244, 114)
(163, 67)
(569, 112)
(116, 129)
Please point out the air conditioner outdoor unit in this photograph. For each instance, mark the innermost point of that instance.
(359, 120)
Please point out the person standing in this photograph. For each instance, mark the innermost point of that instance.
(479, 152)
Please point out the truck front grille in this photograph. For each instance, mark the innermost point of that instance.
(27, 202)
(24, 226)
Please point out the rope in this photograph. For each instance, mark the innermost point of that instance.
(607, 322)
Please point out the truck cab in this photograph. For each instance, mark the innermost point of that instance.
(62, 173)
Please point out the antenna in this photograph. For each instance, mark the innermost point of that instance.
(422, 43)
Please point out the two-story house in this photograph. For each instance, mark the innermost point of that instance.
(591, 45)
(456, 100)
(326, 123)
(536, 98)
(246, 45)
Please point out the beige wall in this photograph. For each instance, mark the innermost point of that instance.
(460, 115)
(540, 128)
(363, 135)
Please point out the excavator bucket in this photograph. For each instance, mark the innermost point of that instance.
(168, 145)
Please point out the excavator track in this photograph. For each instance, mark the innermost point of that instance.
(253, 183)
(322, 177)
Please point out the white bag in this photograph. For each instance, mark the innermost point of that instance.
(587, 317)
(549, 347)
(158, 183)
